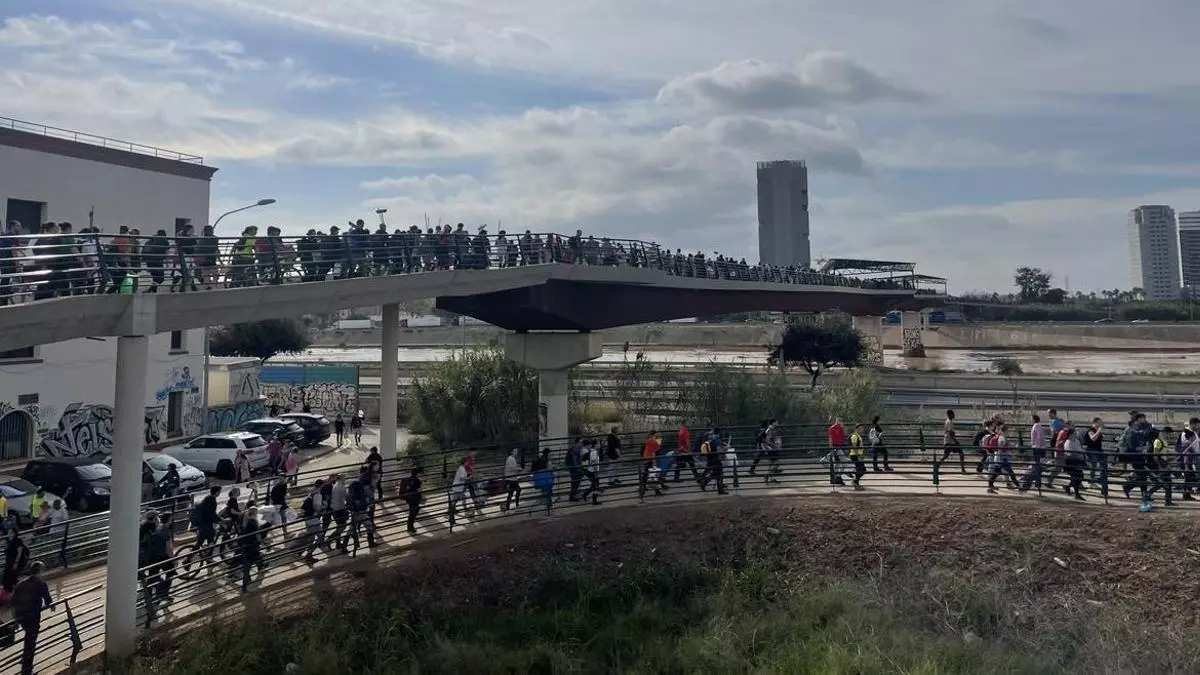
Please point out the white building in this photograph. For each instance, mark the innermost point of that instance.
(1154, 251)
(1189, 248)
(57, 398)
(783, 214)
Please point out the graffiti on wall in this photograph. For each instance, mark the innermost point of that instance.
(86, 430)
(327, 389)
(179, 379)
(244, 386)
(233, 416)
(324, 397)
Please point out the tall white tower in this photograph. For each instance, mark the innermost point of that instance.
(1154, 251)
(783, 213)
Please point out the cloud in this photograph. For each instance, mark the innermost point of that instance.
(822, 79)
(899, 110)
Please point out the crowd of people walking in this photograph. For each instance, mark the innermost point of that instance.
(58, 260)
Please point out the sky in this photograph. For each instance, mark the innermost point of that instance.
(968, 136)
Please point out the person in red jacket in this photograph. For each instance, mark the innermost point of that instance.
(683, 453)
(837, 449)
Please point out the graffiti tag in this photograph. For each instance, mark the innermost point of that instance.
(324, 397)
(232, 416)
(82, 431)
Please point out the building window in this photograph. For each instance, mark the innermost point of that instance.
(16, 435)
(177, 343)
(25, 400)
(24, 353)
(175, 413)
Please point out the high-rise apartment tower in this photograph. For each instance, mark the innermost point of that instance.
(1189, 249)
(783, 213)
(1154, 251)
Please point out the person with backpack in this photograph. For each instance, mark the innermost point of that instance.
(879, 449)
(857, 453)
(767, 451)
(649, 456)
(361, 500)
(375, 461)
(203, 517)
(250, 546)
(714, 464)
(311, 510)
(340, 510)
(981, 437)
(410, 492)
(1000, 458)
(155, 550)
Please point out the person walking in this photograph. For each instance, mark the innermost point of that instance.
(339, 430)
(241, 467)
(1074, 463)
(16, 558)
(591, 469)
(1001, 459)
(878, 447)
(950, 443)
(375, 461)
(250, 546)
(857, 453)
(356, 427)
(512, 480)
(612, 457)
(410, 492)
(311, 509)
(29, 598)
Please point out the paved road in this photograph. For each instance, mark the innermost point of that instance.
(801, 477)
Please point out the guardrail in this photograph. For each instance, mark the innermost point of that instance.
(102, 141)
(914, 455)
(55, 264)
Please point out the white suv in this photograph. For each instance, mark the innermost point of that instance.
(214, 453)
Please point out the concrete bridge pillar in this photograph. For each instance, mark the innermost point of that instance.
(129, 409)
(871, 329)
(911, 325)
(389, 381)
(552, 355)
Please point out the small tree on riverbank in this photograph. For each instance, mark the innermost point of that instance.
(818, 347)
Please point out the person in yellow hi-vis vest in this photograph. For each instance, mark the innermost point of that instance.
(857, 455)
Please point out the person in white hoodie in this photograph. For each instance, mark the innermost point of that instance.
(512, 480)
(591, 471)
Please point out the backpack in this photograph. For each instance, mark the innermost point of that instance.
(405, 487)
(358, 496)
(194, 514)
(761, 437)
(307, 509)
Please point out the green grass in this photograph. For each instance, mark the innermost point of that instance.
(651, 617)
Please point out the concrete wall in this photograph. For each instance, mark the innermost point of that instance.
(734, 336)
(121, 195)
(60, 401)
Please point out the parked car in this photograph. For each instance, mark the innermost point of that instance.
(269, 426)
(155, 465)
(19, 493)
(83, 482)
(316, 427)
(214, 453)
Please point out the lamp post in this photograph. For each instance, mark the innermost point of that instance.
(207, 354)
(261, 202)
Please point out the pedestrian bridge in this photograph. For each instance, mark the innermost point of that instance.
(61, 287)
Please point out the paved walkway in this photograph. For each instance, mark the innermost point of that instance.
(221, 592)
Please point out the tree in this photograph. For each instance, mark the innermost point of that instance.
(260, 339)
(1032, 283)
(1054, 296)
(816, 347)
(1010, 369)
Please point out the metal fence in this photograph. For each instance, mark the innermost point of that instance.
(208, 579)
(49, 265)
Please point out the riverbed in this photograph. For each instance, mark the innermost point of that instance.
(961, 360)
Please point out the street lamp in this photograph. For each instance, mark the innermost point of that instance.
(261, 202)
(207, 354)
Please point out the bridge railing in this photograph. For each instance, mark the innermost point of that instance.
(210, 577)
(36, 267)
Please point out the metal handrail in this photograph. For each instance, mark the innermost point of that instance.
(801, 469)
(37, 267)
(102, 141)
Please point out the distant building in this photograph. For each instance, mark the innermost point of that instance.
(1154, 251)
(783, 213)
(1189, 248)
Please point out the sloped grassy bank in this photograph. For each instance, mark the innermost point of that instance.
(826, 585)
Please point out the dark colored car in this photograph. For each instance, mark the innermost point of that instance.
(316, 427)
(84, 483)
(268, 427)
